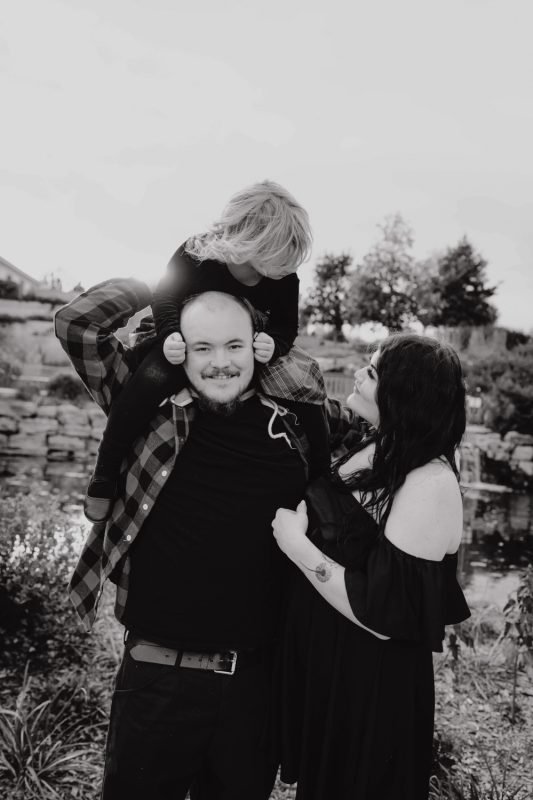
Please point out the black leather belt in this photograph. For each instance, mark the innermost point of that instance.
(224, 662)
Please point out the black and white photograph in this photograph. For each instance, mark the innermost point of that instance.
(266, 400)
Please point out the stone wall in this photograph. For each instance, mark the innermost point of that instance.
(61, 432)
(506, 460)
(66, 432)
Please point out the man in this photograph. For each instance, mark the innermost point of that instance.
(190, 547)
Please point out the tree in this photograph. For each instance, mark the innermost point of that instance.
(383, 284)
(326, 302)
(9, 290)
(455, 292)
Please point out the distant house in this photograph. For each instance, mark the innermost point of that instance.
(26, 283)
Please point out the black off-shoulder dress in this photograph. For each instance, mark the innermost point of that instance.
(357, 712)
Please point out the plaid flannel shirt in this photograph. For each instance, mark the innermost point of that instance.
(86, 329)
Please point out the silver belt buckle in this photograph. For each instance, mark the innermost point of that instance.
(231, 671)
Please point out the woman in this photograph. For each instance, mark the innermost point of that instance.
(377, 583)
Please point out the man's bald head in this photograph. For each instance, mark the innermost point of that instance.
(215, 303)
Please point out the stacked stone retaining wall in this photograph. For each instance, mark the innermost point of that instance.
(65, 432)
(62, 432)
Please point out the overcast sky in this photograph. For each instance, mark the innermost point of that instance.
(126, 124)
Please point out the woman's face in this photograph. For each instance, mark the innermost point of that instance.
(363, 398)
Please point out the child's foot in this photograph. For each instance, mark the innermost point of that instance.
(99, 500)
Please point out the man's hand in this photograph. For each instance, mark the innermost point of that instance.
(174, 348)
(263, 347)
(290, 528)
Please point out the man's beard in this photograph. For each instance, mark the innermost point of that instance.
(223, 409)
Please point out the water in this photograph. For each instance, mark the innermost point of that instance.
(498, 528)
(497, 544)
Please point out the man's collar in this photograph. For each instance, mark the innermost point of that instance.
(187, 396)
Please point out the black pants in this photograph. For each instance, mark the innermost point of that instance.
(153, 381)
(174, 729)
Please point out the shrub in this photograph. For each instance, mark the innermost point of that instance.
(38, 550)
(10, 370)
(9, 290)
(506, 384)
(65, 386)
(46, 750)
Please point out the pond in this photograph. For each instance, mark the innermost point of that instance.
(498, 527)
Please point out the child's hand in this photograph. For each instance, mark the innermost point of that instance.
(263, 347)
(174, 348)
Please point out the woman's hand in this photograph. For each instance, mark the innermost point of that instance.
(289, 530)
(263, 347)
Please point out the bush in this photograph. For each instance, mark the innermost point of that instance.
(38, 551)
(10, 370)
(9, 290)
(506, 384)
(65, 386)
(47, 748)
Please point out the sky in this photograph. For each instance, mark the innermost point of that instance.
(126, 125)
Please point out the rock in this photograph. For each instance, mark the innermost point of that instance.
(69, 443)
(7, 410)
(527, 467)
(523, 453)
(518, 438)
(38, 425)
(27, 444)
(80, 431)
(24, 408)
(95, 413)
(92, 446)
(59, 455)
(8, 425)
(72, 415)
(47, 411)
(498, 450)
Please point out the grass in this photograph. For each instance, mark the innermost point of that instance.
(53, 717)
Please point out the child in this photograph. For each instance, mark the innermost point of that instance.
(253, 251)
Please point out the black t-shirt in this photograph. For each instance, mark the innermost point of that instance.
(205, 568)
(186, 276)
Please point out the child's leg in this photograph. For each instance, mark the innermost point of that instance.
(313, 419)
(131, 412)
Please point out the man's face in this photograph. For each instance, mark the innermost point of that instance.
(220, 358)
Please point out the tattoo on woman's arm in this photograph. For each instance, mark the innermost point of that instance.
(323, 571)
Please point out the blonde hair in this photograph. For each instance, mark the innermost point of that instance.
(262, 224)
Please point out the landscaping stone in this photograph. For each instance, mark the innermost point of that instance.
(8, 424)
(68, 443)
(59, 455)
(27, 444)
(523, 453)
(527, 467)
(38, 425)
(81, 431)
(7, 410)
(24, 408)
(47, 411)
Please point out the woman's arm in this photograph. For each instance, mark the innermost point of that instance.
(324, 574)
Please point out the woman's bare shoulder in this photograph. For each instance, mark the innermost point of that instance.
(426, 517)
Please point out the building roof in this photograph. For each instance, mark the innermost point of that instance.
(19, 272)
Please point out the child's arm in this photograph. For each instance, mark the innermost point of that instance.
(177, 283)
(282, 324)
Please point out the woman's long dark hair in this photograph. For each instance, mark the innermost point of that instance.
(421, 401)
